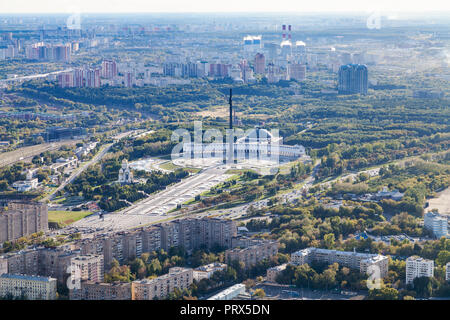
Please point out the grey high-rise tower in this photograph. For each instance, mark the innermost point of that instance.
(353, 78)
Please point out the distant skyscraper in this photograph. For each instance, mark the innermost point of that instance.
(93, 78)
(260, 63)
(65, 80)
(129, 79)
(109, 69)
(297, 71)
(62, 52)
(271, 50)
(247, 73)
(80, 77)
(219, 70)
(353, 78)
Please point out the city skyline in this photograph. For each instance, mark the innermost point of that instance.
(232, 6)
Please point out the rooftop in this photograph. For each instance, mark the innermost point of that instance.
(26, 277)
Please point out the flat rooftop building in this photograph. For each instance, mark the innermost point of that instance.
(417, 267)
(206, 271)
(352, 260)
(90, 290)
(27, 287)
(230, 293)
(252, 251)
(21, 219)
(272, 273)
(160, 287)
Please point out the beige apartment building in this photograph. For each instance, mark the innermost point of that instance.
(48, 262)
(21, 219)
(88, 267)
(255, 251)
(272, 273)
(22, 262)
(55, 262)
(27, 287)
(101, 291)
(352, 260)
(187, 233)
(161, 287)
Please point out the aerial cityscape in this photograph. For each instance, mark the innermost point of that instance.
(225, 156)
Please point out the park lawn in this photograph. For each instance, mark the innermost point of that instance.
(169, 165)
(66, 217)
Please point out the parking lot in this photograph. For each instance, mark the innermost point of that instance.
(285, 292)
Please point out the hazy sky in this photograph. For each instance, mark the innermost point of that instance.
(66, 6)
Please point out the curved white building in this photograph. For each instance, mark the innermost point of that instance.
(258, 144)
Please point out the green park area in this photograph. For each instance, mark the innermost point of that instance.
(66, 217)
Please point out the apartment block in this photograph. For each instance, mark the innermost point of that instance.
(48, 262)
(21, 219)
(353, 78)
(27, 287)
(123, 246)
(161, 287)
(437, 223)
(206, 271)
(187, 233)
(22, 262)
(352, 260)
(417, 267)
(3, 266)
(272, 273)
(55, 262)
(88, 267)
(101, 291)
(230, 293)
(253, 252)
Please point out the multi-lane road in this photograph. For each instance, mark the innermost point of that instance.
(27, 153)
(156, 207)
(33, 76)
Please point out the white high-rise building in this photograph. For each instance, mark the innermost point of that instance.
(353, 260)
(417, 267)
(437, 223)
